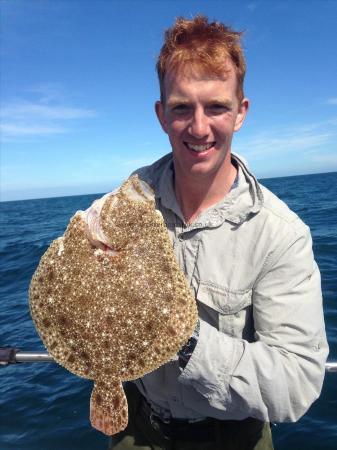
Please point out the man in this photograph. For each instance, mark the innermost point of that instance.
(258, 352)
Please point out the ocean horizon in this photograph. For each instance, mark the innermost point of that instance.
(115, 185)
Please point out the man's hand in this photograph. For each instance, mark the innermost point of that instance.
(94, 231)
(186, 350)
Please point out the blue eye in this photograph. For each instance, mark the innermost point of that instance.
(181, 109)
(218, 108)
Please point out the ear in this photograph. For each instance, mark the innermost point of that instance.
(159, 108)
(240, 118)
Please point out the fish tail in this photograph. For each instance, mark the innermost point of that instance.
(108, 408)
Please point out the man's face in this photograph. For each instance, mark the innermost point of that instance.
(200, 115)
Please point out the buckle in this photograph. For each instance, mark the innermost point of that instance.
(201, 419)
(154, 422)
(160, 425)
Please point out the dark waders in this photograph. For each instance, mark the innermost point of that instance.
(146, 432)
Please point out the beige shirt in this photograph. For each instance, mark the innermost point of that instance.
(262, 344)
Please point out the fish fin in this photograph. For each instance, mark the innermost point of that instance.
(108, 408)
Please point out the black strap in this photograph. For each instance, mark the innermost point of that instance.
(8, 355)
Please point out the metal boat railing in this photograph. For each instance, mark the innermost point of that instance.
(10, 355)
(331, 366)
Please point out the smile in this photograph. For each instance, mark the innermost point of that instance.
(199, 148)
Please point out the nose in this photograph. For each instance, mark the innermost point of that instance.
(199, 125)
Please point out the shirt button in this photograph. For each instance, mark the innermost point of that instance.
(174, 399)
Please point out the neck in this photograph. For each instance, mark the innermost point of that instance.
(195, 194)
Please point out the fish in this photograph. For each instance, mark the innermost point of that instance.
(109, 300)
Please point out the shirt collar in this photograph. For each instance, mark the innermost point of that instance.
(244, 199)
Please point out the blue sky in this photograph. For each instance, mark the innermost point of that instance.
(78, 86)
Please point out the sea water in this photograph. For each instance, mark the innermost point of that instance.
(43, 407)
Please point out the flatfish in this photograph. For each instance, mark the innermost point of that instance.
(109, 300)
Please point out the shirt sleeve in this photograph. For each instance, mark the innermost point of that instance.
(277, 377)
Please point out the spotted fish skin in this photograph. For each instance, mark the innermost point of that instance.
(117, 315)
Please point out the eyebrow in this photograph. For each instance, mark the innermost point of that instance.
(222, 101)
(172, 102)
(177, 101)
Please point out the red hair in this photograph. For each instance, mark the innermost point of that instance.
(204, 46)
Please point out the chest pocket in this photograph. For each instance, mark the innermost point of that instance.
(229, 311)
